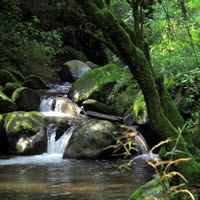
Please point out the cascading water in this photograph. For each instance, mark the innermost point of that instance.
(142, 146)
(58, 146)
(55, 150)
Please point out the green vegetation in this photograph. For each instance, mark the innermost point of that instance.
(155, 46)
(23, 122)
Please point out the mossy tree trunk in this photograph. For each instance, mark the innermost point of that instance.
(159, 105)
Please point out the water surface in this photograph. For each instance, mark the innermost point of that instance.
(48, 177)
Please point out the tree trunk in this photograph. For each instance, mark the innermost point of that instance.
(141, 68)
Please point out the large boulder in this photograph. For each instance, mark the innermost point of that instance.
(65, 105)
(3, 139)
(10, 88)
(26, 132)
(35, 82)
(90, 138)
(26, 99)
(76, 68)
(6, 104)
(96, 83)
(6, 76)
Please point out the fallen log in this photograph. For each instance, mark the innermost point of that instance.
(104, 116)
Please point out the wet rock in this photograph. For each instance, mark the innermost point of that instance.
(26, 99)
(96, 83)
(94, 105)
(65, 105)
(26, 132)
(10, 88)
(4, 147)
(74, 69)
(90, 138)
(6, 104)
(35, 82)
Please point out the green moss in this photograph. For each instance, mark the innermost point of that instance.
(93, 81)
(6, 76)
(34, 82)
(17, 93)
(10, 88)
(6, 104)
(19, 148)
(140, 109)
(123, 100)
(150, 189)
(23, 122)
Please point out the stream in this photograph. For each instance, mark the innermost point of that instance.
(49, 177)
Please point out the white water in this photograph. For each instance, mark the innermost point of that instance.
(55, 150)
(47, 108)
(62, 88)
(58, 147)
(142, 146)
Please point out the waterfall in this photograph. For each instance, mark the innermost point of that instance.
(142, 146)
(141, 143)
(46, 105)
(58, 146)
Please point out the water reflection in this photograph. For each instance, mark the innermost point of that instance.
(71, 180)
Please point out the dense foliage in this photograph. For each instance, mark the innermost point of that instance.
(45, 34)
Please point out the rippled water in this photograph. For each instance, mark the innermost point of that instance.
(50, 178)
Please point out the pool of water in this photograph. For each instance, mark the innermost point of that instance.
(43, 178)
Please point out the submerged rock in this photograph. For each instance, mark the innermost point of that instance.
(90, 138)
(26, 132)
(26, 99)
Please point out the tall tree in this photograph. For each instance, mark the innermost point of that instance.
(131, 48)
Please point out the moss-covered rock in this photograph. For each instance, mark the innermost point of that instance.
(34, 82)
(6, 104)
(139, 109)
(150, 190)
(94, 105)
(10, 88)
(6, 76)
(96, 83)
(26, 133)
(123, 100)
(74, 54)
(74, 69)
(4, 147)
(90, 138)
(26, 99)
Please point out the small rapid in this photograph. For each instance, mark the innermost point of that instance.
(57, 147)
(55, 150)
